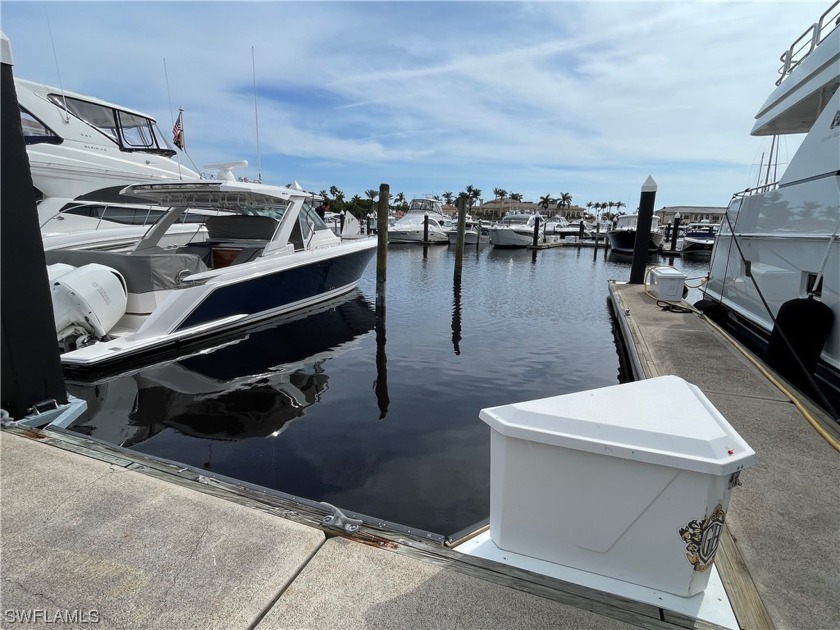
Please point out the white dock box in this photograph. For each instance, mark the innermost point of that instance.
(630, 481)
(667, 283)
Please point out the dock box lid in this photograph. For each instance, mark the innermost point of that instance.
(667, 272)
(664, 420)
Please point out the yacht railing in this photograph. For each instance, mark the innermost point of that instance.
(809, 40)
(756, 191)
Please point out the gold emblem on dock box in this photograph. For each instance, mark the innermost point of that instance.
(702, 538)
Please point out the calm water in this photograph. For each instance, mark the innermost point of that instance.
(382, 420)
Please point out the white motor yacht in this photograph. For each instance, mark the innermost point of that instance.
(517, 230)
(424, 222)
(777, 255)
(267, 253)
(83, 149)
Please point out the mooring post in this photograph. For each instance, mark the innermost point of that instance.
(581, 231)
(536, 230)
(382, 245)
(478, 239)
(31, 367)
(459, 242)
(675, 232)
(643, 221)
(426, 227)
(341, 222)
(668, 231)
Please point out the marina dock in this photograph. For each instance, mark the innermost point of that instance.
(116, 539)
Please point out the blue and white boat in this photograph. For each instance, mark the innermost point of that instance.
(699, 238)
(269, 253)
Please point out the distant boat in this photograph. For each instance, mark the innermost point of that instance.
(699, 238)
(517, 230)
(623, 235)
(424, 222)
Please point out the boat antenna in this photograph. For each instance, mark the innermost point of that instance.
(66, 116)
(256, 116)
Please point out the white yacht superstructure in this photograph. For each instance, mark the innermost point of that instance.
(778, 243)
(83, 149)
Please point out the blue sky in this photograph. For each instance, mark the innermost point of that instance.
(537, 98)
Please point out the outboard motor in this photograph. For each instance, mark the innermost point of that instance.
(87, 302)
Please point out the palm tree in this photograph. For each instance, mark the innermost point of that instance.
(565, 200)
(372, 195)
(546, 201)
(619, 205)
(472, 194)
(515, 196)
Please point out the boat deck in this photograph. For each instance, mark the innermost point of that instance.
(91, 529)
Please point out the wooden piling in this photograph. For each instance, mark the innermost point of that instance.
(382, 244)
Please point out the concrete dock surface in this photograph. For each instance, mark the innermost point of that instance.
(110, 543)
(82, 536)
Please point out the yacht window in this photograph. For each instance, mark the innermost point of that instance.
(131, 132)
(120, 214)
(36, 132)
(313, 217)
(136, 131)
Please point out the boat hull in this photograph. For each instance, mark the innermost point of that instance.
(624, 241)
(254, 292)
(507, 238)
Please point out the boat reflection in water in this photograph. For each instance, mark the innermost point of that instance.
(253, 386)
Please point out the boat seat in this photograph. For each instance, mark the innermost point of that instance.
(217, 254)
(240, 226)
(143, 272)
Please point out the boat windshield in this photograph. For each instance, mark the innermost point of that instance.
(424, 205)
(130, 131)
(516, 220)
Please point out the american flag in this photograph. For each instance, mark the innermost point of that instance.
(178, 133)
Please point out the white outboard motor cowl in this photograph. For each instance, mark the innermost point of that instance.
(57, 270)
(92, 297)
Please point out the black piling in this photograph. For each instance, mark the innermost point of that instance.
(643, 222)
(382, 244)
(581, 231)
(459, 246)
(536, 231)
(31, 367)
(675, 232)
(426, 228)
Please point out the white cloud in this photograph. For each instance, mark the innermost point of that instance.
(588, 98)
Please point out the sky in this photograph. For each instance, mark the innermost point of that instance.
(537, 98)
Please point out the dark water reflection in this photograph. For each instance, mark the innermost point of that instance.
(376, 415)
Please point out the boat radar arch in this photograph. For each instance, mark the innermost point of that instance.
(225, 169)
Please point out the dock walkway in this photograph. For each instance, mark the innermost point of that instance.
(785, 518)
(97, 533)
